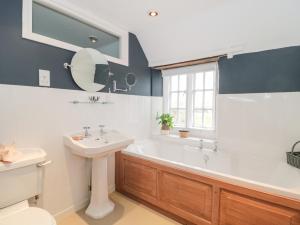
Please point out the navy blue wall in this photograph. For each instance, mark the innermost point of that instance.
(20, 59)
(261, 72)
(157, 83)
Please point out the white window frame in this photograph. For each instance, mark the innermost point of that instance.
(79, 15)
(167, 74)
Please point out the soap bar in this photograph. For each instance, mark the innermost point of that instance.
(77, 137)
(2, 151)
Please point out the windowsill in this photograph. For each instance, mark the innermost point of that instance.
(203, 134)
(193, 129)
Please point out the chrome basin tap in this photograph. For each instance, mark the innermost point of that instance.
(86, 132)
(102, 132)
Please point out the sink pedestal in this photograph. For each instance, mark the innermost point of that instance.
(100, 205)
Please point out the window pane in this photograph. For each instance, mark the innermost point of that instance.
(174, 100)
(174, 83)
(208, 119)
(53, 24)
(181, 118)
(208, 99)
(199, 81)
(182, 100)
(209, 80)
(198, 99)
(182, 82)
(198, 119)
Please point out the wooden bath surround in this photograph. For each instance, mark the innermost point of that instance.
(194, 199)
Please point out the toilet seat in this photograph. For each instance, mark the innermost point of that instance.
(28, 216)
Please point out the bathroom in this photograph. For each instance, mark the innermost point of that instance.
(181, 112)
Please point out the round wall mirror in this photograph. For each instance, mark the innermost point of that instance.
(90, 69)
(130, 79)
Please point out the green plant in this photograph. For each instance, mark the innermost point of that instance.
(166, 120)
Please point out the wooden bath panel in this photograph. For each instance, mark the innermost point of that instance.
(189, 198)
(196, 199)
(240, 210)
(139, 179)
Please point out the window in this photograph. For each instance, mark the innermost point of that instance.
(50, 23)
(190, 96)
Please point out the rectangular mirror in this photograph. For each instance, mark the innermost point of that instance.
(64, 27)
(53, 24)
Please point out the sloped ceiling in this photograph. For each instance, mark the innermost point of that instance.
(192, 29)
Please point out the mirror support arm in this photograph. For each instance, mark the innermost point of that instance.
(67, 66)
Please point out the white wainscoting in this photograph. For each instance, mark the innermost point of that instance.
(39, 117)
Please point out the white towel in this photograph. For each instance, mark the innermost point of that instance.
(8, 153)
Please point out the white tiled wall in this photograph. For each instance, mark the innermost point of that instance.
(156, 109)
(39, 117)
(264, 125)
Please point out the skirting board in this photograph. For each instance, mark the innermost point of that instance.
(77, 207)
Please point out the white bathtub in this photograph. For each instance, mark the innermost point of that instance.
(267, 174)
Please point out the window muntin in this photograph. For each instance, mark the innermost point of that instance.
(190, 96)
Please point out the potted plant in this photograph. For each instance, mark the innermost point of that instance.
(183, 133)
(166, 121)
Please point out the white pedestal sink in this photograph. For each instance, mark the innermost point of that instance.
(98, 147)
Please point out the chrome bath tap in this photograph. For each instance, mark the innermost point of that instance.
(201, 144)
(211, 147)
(215, 148)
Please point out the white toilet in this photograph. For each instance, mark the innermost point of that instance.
(20, 181)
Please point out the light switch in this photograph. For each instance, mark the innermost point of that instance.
(44, 78)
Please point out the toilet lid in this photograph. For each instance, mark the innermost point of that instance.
(29, 216)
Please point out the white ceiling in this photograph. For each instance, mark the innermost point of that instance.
(193, 29)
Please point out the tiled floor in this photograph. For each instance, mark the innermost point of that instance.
(126, 212)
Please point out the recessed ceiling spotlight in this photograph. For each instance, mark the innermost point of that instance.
(93, 39)
(153, 13)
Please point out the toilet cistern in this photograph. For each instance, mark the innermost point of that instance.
(27, 170)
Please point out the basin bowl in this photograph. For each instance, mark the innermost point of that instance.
(97, 144)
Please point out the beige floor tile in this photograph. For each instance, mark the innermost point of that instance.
(126, 212)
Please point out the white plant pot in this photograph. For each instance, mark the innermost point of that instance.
(165, 132)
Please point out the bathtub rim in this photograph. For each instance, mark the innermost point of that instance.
(222, 177)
